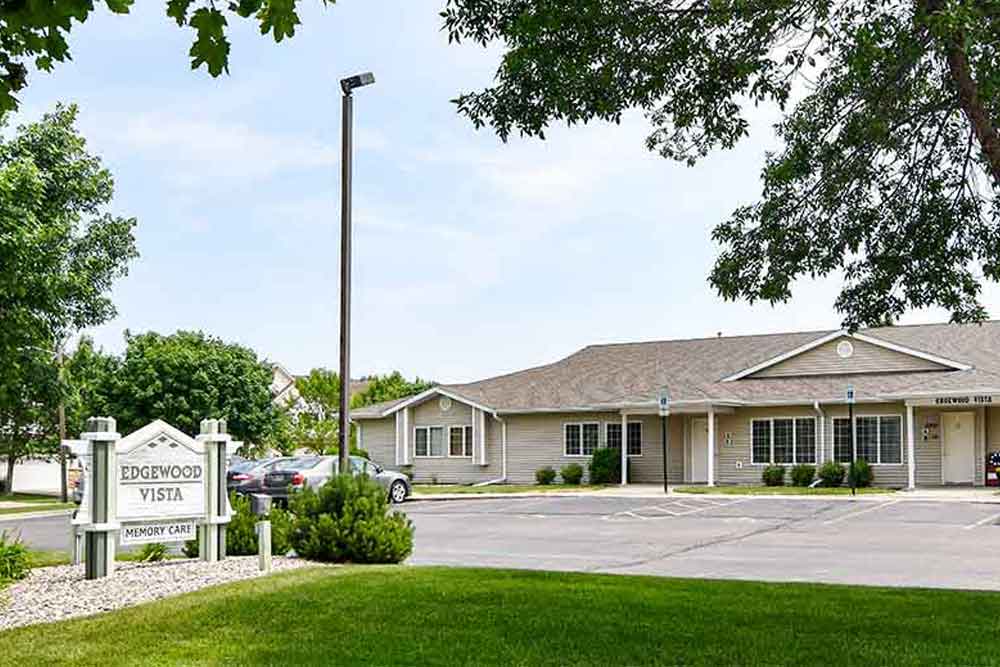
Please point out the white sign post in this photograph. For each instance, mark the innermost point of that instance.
(155, 485)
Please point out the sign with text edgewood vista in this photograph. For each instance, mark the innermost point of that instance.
(162, 476)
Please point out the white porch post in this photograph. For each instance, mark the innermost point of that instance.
(624, 452)
(711, 445)
(911, 462)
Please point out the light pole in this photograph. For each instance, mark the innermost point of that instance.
(854, 444)
(347, 128)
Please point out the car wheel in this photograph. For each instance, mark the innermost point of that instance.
(397, 492)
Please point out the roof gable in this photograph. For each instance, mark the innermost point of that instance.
(843, 353)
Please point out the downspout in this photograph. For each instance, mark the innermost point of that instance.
(503, 454)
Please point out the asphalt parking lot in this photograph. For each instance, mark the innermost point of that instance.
(877, 541)
(885, 540)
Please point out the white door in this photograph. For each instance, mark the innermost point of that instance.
(699, 450)
(958, 447)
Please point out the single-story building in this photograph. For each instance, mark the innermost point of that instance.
(926, 405)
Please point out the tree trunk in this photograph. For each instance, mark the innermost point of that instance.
(960, 70)
(968, 98)
(9, 489)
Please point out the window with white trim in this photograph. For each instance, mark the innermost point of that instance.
(878, 439)
(428, 441)
(460, 441)
(783, 441)
(581, 439)
(634, 438)
(613, 437)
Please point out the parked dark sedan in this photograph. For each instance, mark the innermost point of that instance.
(248, 477)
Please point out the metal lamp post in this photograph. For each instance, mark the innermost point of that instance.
(663, 403)
(854, 444)
(344, 436)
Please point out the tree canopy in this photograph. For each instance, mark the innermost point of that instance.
(889, 169)
(183, 378)
(60, 253)
(389, 387)
(36, 33)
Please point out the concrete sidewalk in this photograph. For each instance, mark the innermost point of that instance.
(963, 494)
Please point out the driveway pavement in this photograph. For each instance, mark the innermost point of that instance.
(879, 541)
(888, 540)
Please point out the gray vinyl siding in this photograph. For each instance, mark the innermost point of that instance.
(378, 438)
(867, 358)
(536, 440)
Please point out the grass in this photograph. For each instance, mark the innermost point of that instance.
(29, 498)
(437, 489)
(780, 490)
(37, 507)
(442, 616)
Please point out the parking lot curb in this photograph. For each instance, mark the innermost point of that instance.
(443, 497)
(21, 516)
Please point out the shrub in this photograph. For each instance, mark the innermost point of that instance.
(348, 519)
(572, 474)
(241, 531)
(545, 476)
(773, 475)
(14, 563)
(803, 474)
(832, 473)
(152, 552)
(860, 474)
(606, 466)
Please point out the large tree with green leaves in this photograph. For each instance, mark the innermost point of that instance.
(889, 170)
(36, 32)
(186, 377)
(60, 253)
(389, 387)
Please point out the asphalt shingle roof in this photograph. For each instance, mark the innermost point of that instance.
(694, 370)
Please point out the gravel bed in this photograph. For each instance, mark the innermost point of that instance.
(61, 592)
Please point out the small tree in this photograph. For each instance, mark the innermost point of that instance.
(390, 387)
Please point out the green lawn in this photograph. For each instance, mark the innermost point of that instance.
(37, 507)
(441, 616)
(780, 490)
(438, 489)
(29, 498)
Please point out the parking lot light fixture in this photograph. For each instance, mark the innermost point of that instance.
(344, 420)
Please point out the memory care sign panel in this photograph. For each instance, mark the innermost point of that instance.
(161, 478)
(176, 531)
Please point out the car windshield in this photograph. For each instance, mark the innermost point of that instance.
(305, 462)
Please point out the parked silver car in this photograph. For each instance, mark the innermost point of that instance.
(314, 471)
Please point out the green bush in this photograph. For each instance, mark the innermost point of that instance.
(152, 552)
(773, 475)
(860, 474)
(545, 476)
(803, 474)
(14, 563)
(572, 474)
(831, 474)
(241, 531)
(606, 466)
(348, 519)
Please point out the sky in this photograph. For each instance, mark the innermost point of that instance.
(471, 257)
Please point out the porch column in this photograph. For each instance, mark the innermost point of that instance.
(624, 451)
(711, 445)
(911, 461)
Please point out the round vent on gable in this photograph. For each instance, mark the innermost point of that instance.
(845, 349)
(444, 404)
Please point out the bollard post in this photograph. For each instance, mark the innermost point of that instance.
(76, 546)
(264, 545)
(99, 539)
